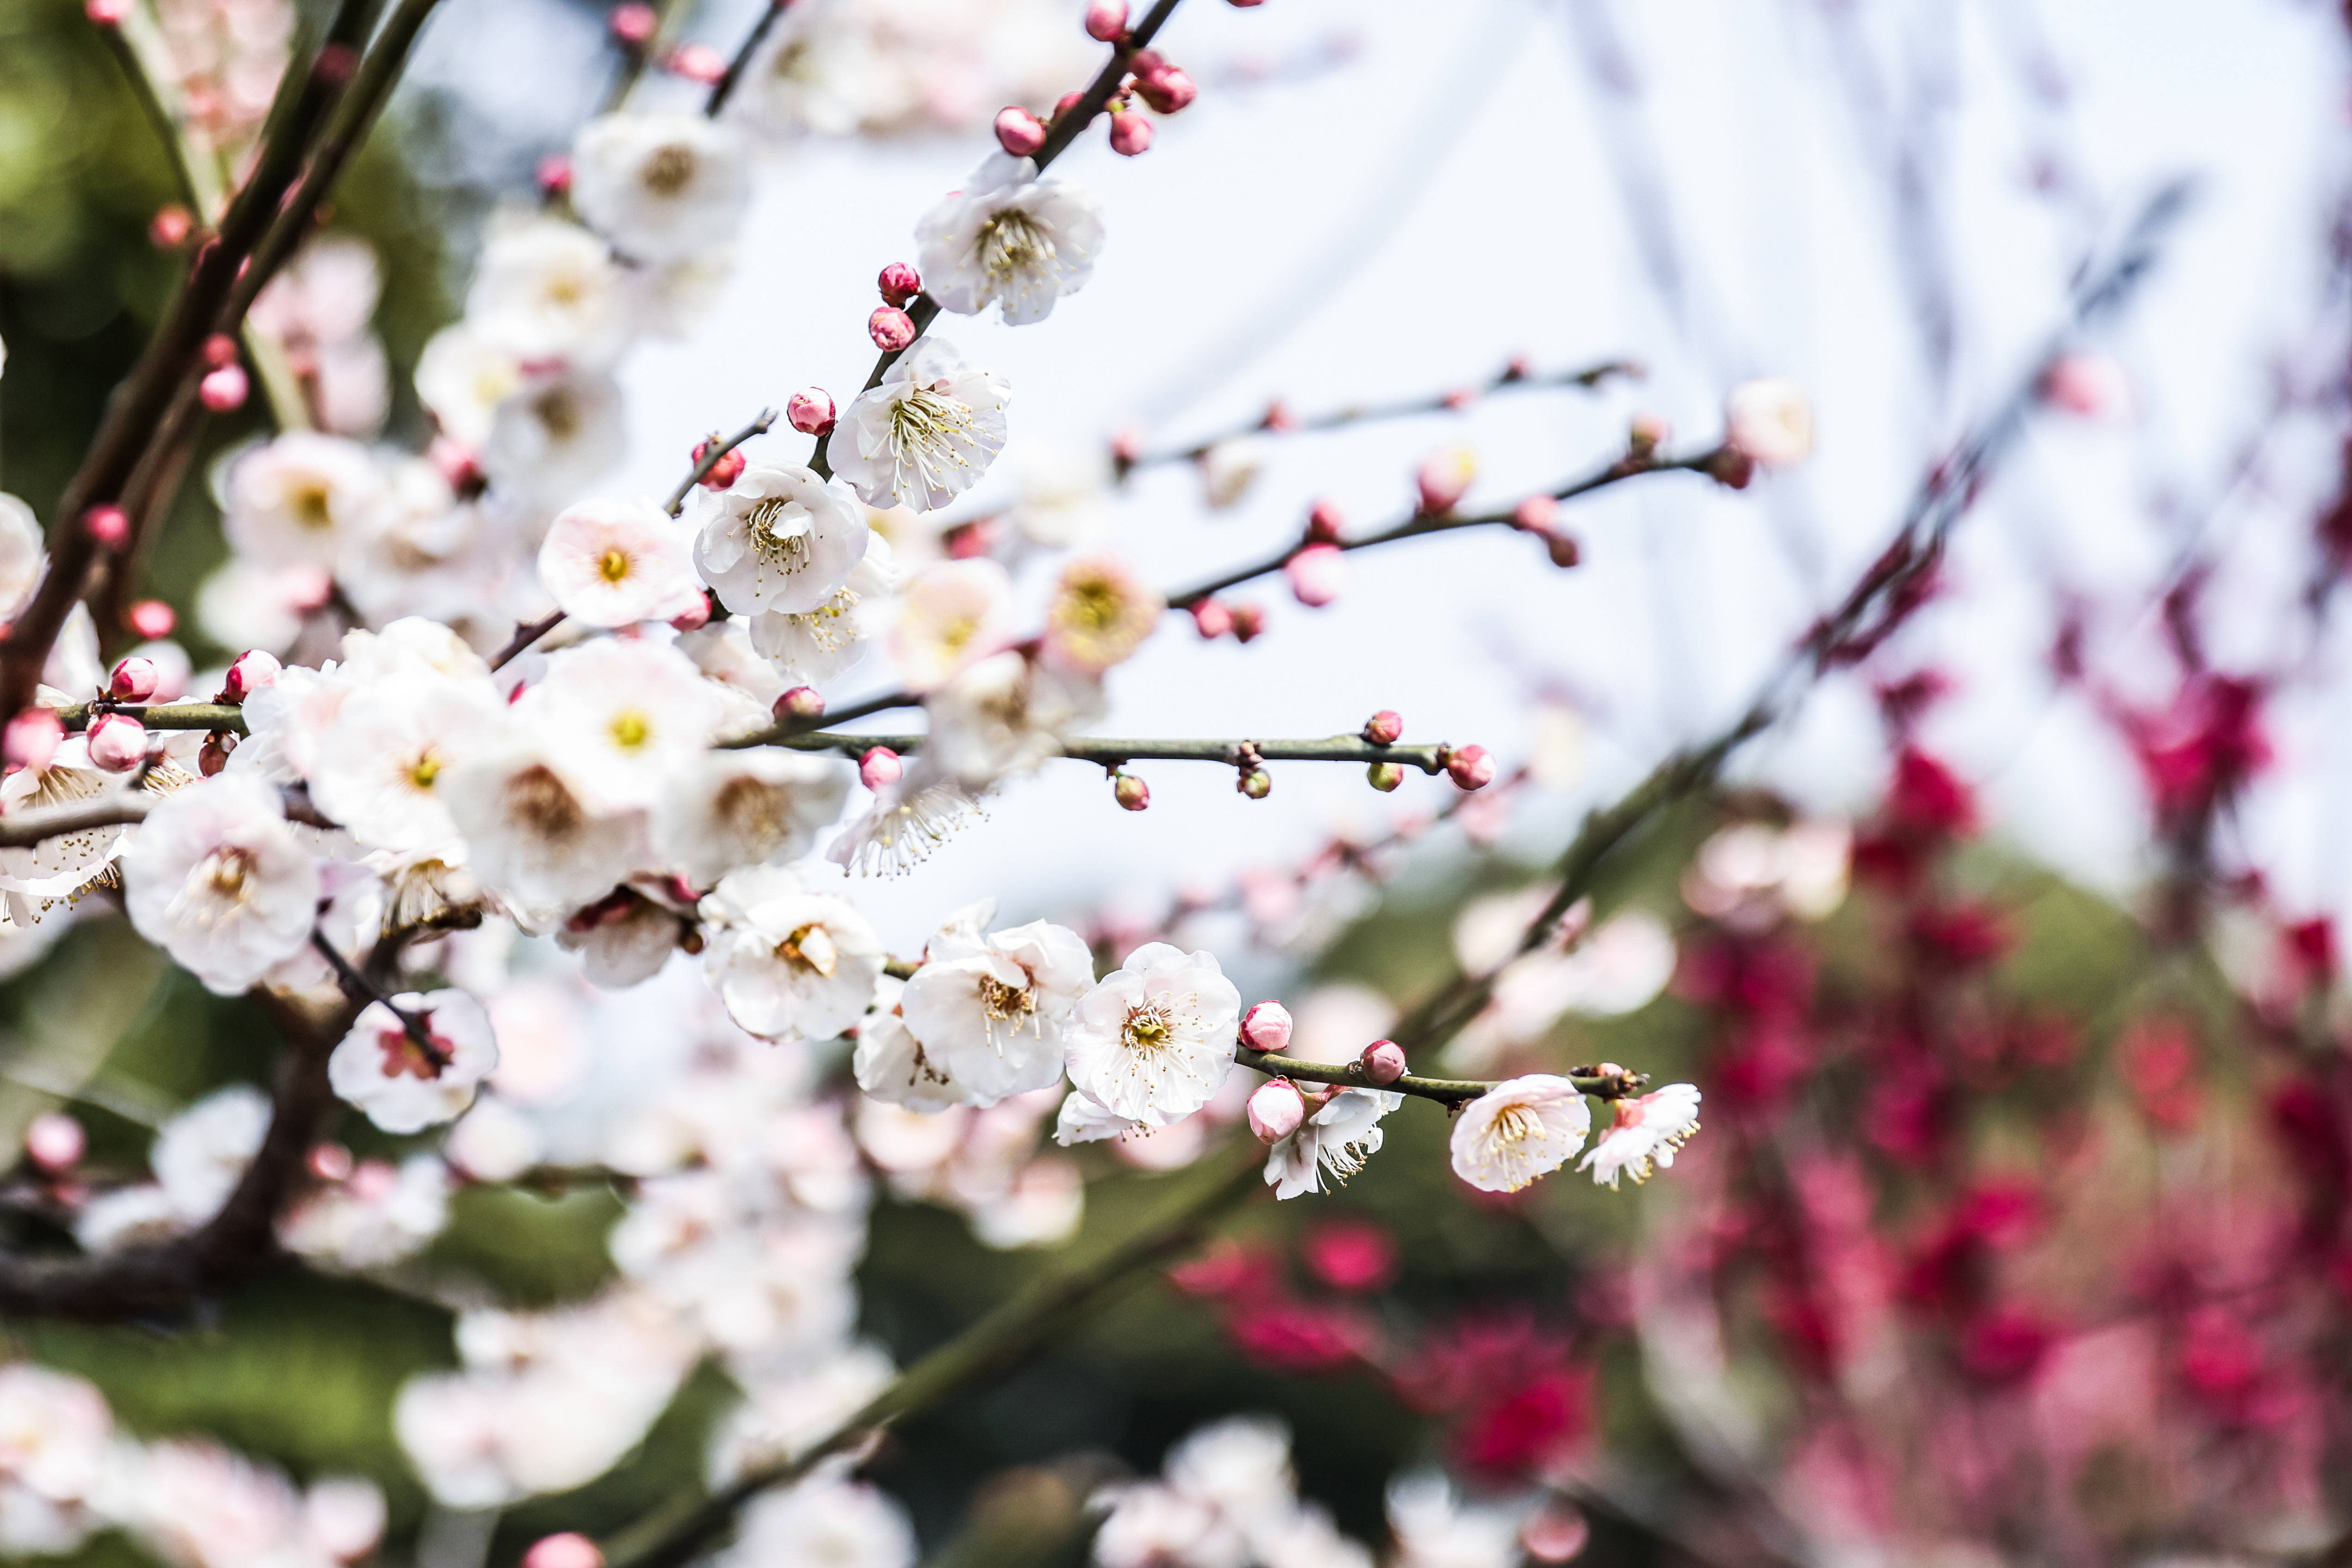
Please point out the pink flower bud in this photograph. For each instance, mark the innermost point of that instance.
(1126, 450)
(693, 619)
(890, 328)
(1248, 620)
(1316, 574)
(253, 669)
(899, 283)
(152, 618)
(1245, 4)
(1130, 134)
(1384, 728)
(1267, 1026)
(213, 755)
(1556, 1533)
(1444, 479)
(110, 525)
(1018, 131)
(54, 1141)
(811, 411)
(133, 680)
(634, 23)
(1256, 784)
(1535, 515)
(569, 1549)
(1460, 398)
(458, 465)
(802, 703)
(331, 1162)
(696, 62)
(1212, 619)
(1106, 20)
(118, 743)
(1647, 433)
(1384, 776)
(1131, 793)
(107, 13)
(222, 389)
(1166, 88)
(1275, 1109)
(1066, 102)
(31, 738)
(726, 471)
(1470, 767)
(171, 225)
(220, 348)
(554, 175)
(1384, 1062)
(879, 766)
(1323, 521)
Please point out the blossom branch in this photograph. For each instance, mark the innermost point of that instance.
(361, 992)
(23, 829)
(724, 87)
(1449, 1091)
(1511, 378)
(1111, 753)
(999, 1341)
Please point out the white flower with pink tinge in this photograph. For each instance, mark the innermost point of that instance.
(625, 718)
(531, 833)
(950, 616)
(614, 561)
(302, 498)
(1153, 1042)
(549, 291)
(781, 539)
(1648, 1131)
(378, 766)
(1009, 239)
(24, 559)
(826, 1520)
(789, 963)
(217, 879)
(54, 1432)
(660, 186)
(1519, 1130)
(1007, 714)
(985, 1012)
(1770, 422)
(406, 1084)
(926, 433)
(1339, 1137)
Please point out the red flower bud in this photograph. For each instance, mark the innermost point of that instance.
(879, 766)
(252, 671)
(1267, 1026)
(811, 411)
(1384, 1062)
(554, 175)
(1249, 621)
(152, 618)
(1275, 1109)
(110, 525)
(1130, 134)
(801, 702)
(633, 24)
(1106, 20)
(31, 738)
(54, 1141)
(693, 619)
(118, 743)
(569, 1549)
(133, 680)
(1470, 767)
(1167, 89)
(1323, 521)
(171, 225)
(1212, 619)
(1384, 728)
(890, 328)
(1018, 131)
(222, 389)
(213, 755)
(899, 283)
(726, 471)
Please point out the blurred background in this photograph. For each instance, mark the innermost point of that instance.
(2007, 967)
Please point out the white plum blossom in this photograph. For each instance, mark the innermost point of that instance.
(1009, 239)
(748, 807)
(1435, 1528)
(812, 647)
(892, 1067)
(926, 433)
(1770, 422)
(406, 1084)
(623, 938)
(380, 765)
(556, 436)
(550, 293)
(826, 1520)
(532, 833)
(781, 539)
(616, 562)
(1007, 714)
(1518, 1131)
(23, 557)
(660, 186)
(38, 877)
(1154, 1041)
(1648, 1128)
(1337, 1136)
(626, 717)
(217, 879)
(462, 377)
(192, 1504)
(378, 1214)
(950, 616)
(908, 820)
(55, 1432)
(987, 1010)
(200, 1154)
(787, 961)
(302, 498)
(1083, 1119)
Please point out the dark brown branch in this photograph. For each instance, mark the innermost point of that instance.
(1591, 1081)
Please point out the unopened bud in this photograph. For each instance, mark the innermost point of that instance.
(1245, 4)
(1275, 1109)
(110, 525)
(1256, 782)
(220, 348)
(1470, 767)
(1018, 131)
(1731, 467)
(890, 328)
(811, 411)
(1212, 619)
(1647, 433)
(1130, 134)
(725, 469)
(1316, 574)
(1323, 521)
(1248, 620)
(1267, 1026)
(329, 1161)
(1167, 89)
(633, 24)
(1106, 20)
(801, 702)
(31, 738)
(1536, 515)
(458, 464)
(107, 13)
(118, 743)
(133, 680)
(1066, 102)
(1556, 1533)
(225, 389)
(878, 767)
(1384, 728)
(54, 1141)
(213, 755)
(1444, 479)
(1131, 793)
(697, 63)
(1384, 776)
(695, 618)
(569, 1549)
(1564, 550)
(152, 618)
(171, 225)
(554, 175)
(1126, 450)
(250, 671)
(1383, 1061)
(1278, 417)
(899, 283)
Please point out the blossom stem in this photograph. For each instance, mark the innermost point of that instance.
(1000, 1340)
(23, 829)
(1402, 409)
(359, 988)
(1445, 1090)
(724, 87)
(1429, 759)
(159, 716)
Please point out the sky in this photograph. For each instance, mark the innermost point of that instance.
(1375, 199)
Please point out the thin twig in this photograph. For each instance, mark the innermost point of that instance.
(724, 87)
(1591, 1081)
(362, 990)
(1111, 753)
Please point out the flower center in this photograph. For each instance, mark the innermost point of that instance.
(929, 433)
(224, 873)
(310, 507)
(404, 1058)
(1011, 242)
(614, 564)
(811, 948)
(757, 812)
(780, 528)
(557, 413)
(670, 170)
(1094, 606)
(1148, 1028)
(631, 730)
(1514, 1124)
(424, 771)
(538, 802)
